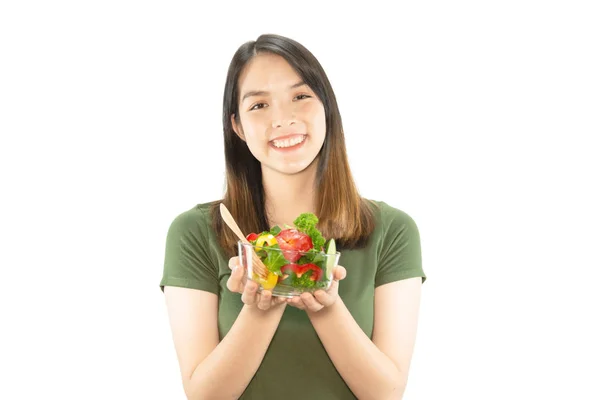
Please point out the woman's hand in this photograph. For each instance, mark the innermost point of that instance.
(320, 298)
(239, 283)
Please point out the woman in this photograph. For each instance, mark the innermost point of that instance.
(285, 155)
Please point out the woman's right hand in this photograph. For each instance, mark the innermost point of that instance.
(239, 283)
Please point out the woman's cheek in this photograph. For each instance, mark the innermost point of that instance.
(313, 111)
(309, 107)
(256, 122)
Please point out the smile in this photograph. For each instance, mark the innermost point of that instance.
(288, 142)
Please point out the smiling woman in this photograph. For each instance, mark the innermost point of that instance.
(283, 121)
(285, 157)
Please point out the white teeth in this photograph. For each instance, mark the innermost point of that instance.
(288, 142)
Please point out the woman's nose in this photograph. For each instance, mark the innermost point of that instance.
(283, 116)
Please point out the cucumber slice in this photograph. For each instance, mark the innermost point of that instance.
(330, 260)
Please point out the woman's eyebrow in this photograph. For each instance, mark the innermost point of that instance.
(265, 93)
(254, 93)
(296, 85)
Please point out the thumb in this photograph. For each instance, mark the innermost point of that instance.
(339, 273)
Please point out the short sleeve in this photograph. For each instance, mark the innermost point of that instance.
(400, 256)
(186, 262)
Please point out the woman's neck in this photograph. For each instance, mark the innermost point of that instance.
(287, 196)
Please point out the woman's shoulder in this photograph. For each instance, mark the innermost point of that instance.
(194, 218)
(387, 215)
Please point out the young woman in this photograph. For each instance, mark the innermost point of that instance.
(285, 155)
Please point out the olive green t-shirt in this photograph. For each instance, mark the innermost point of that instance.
(296, 365)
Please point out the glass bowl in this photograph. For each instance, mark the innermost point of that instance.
(288, 273)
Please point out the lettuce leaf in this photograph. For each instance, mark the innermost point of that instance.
(275, 230)
(307, 223)
(315, 257)
(275, 259)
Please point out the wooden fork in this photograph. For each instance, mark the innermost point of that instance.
(257, 265)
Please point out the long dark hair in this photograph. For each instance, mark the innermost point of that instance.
(343, 214)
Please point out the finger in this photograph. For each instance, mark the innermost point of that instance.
(233, 261)
(236, 281)
(233, 283)
(279, 300)
(296, 302)
(264, 300)
(310, 302)
(243, 277)
(237, 268)
(326, 299)
(249, 294)
(333, 287)
(339, 273)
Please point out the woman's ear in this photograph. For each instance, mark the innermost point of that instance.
(237, 128)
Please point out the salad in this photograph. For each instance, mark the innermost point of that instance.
(295, 256)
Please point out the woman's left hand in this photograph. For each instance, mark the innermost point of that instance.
(321, 298)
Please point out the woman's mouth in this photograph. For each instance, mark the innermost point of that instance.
(287, 143)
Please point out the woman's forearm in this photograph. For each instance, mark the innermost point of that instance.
(367, 371)
(227, 370)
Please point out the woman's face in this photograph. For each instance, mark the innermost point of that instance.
(281, 119)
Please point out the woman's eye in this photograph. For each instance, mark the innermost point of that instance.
(302, 96)
(258, 106)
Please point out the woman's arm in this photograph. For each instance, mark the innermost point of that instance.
(211, 369)
(375, 369)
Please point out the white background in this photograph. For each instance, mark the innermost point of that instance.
(479, 119)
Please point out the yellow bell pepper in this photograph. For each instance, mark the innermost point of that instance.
(267, 239)
(271, 280)
(268, 283)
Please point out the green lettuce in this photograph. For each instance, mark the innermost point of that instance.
(307, 223)
(275, 259)
(313, 256)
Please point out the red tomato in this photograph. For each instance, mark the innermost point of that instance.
(252, 237)
(292, 242)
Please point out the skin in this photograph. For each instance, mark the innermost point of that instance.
(277, 107)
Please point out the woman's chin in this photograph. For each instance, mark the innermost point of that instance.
(290, 168)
